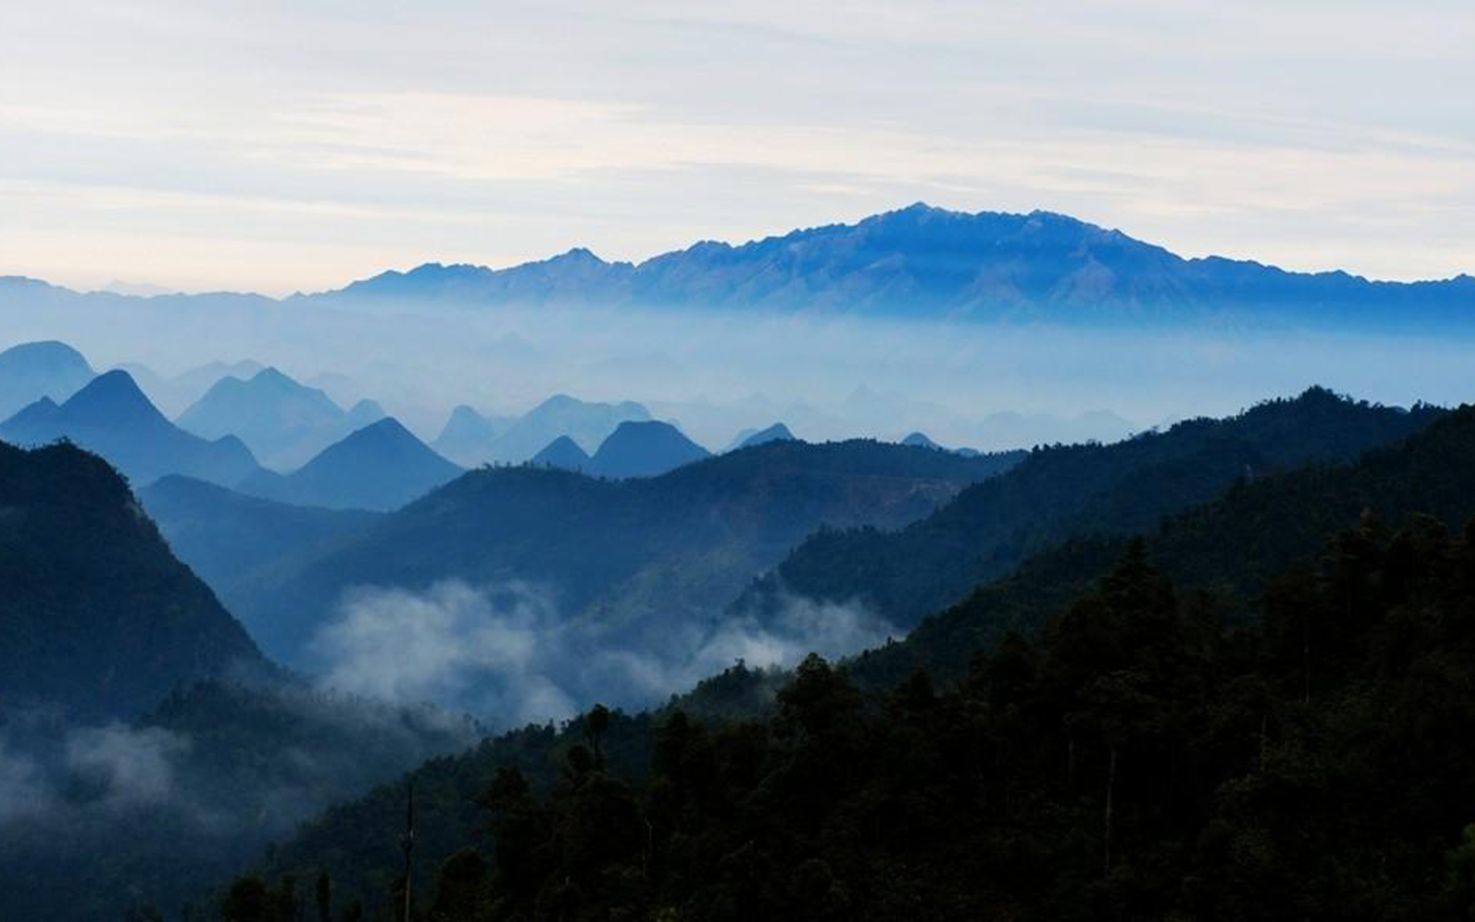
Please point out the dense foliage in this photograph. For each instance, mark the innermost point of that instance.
(1139, 760)
(157, 811)
(1232, 546)
(1071, 491)
(95, 614)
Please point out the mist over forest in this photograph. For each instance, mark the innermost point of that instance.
(660, 462)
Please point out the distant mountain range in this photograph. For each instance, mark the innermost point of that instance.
(565, 454)
(379, 467)
(930, 262)
(112, 417)
(284, 423)
(916, 262)
(30, 371)
(748, 438)
(644, 449)
(639, 555)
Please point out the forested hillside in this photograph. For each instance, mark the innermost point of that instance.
(1061, 492)
(1136, 759)
(96, 615)
(643, 554)
(1092, 737)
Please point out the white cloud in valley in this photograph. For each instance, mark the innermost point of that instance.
(506, 653)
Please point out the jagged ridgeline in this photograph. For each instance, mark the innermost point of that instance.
(1265, 703)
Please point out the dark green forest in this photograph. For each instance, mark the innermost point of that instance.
(1143, 757)
(1064, 492)
(1273, 690)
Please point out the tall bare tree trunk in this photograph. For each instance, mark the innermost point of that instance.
(1110, 793)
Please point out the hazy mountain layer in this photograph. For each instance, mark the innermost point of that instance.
(649, 557)
(380, 467)
(230, 539)
(1062, 491)
(925, 261)
(113, 418)
(644, 449)
(30, 371)
(283, 423)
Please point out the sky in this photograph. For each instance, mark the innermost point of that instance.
(276, 146)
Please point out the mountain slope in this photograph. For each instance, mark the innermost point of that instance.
(650, 557)
(926, 261)
(565, 454)
(778, 432)
(112, 417)
(468, 437)
(95, 613)
(30, 371)
(1064, 491)
(380, 467)
(588, 424)
(283, 423)
(1232, 545)
(644, 449)
(1109, 666)
(229, 538)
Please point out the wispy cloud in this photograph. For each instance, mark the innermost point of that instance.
(1313, 135)
(507, 654)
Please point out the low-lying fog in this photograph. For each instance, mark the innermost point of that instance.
(985, 386)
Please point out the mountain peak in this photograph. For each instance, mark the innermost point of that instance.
(645, 448)
(578, 256)
(920, 440)
(778, 432)
(274, 377)
(563, 453)
(112, 396)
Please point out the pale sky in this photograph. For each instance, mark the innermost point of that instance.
(275, 146)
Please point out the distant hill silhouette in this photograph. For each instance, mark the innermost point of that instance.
(778, 432)
(284, 423)
(588, 424)
(468, 437)
(565, 454)
(920, 440)
(926, 261)
(380, 467)
(1062, 491)
(31, 371)
(363, 413)
(96, 615)
(645, 555)
(915, 262)
(228, 538)
(113, 418)
(645, 449)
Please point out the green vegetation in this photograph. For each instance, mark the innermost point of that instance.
(95, 613)
(644, 557)
(1060, 493)
(1139, 760)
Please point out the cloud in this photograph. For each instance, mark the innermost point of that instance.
(507, 654)
(130, 767)
(232, 158)
(445, 645)
(24, 790)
